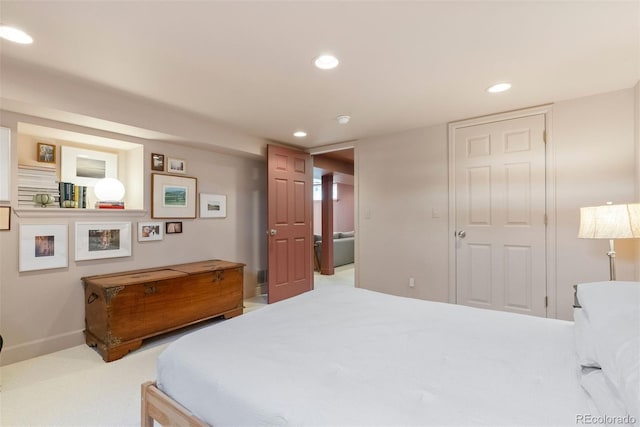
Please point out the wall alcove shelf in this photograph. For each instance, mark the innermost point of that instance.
(76, 213)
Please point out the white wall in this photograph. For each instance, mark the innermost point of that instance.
(595, 158)
(43, 311)
(402, 179)
(28, 89)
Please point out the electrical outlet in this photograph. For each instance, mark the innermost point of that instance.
(412, 282)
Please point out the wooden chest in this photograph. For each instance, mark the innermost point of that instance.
(124, 308)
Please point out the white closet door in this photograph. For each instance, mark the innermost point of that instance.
(500, 215)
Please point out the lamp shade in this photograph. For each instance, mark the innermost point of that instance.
(109, 189)
(634, 217)
(610, 222)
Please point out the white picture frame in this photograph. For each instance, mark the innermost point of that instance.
(150, 231)
(87, 167)
(213, 205)
(5, 164)
(43, 247)
(173, 196)
(97, 240)
(176, 165)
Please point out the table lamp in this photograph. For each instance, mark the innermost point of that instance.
(610, 222)
(109, 192)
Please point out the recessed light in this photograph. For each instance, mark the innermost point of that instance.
(499, 87)
(300, 134)
(15, 35)
(326, 62)
(343, 120)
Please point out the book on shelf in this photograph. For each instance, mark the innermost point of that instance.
(66, 194)
(72, 196)
(109, 205)
(80, 196)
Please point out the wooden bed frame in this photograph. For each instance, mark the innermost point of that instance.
(158, 406)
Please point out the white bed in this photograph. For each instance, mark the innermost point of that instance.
(344, 356)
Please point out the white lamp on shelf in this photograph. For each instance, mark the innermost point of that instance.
(109, 191)
(610, 222)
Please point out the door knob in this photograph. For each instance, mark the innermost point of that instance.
(273, 232)
(462, 234)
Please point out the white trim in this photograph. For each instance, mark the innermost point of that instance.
(332, 147)
(550, 189)
(30, 349)
(356, 216)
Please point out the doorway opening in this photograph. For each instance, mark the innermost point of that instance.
(334, 213)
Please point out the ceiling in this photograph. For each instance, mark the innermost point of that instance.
(338, 163)
(403, 65)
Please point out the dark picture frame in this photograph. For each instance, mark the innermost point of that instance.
(173, 227)
(157, 162)
(46, 153)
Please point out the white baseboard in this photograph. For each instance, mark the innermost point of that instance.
(16, 353)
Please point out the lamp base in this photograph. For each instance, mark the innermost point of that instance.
(612, 261)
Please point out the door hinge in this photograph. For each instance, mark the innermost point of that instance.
(546, 219)
(546, 302)
(544, 136)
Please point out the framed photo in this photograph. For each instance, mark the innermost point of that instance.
(149, 231)
(176, 166)
(5, 218)
(173, 196)
(46, 153)
(157, 162)
(102, 240)
(86, 167)
(213, 206)
(173, 227)
(43, 246)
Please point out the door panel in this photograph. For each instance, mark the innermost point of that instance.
(479, 282)
(518, 193)
(517, 284)
(290, 183)
(479, 184)
(500, 205)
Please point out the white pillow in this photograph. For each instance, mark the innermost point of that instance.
(602, 393)
(613, 313)
(584, 336)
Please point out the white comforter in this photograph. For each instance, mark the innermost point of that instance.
(344, 356)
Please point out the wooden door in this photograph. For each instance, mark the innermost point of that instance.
(290, 216)
(500, 215)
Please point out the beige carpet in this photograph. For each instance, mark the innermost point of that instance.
(74, 387)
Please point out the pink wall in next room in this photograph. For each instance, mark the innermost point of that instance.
(342, 211)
